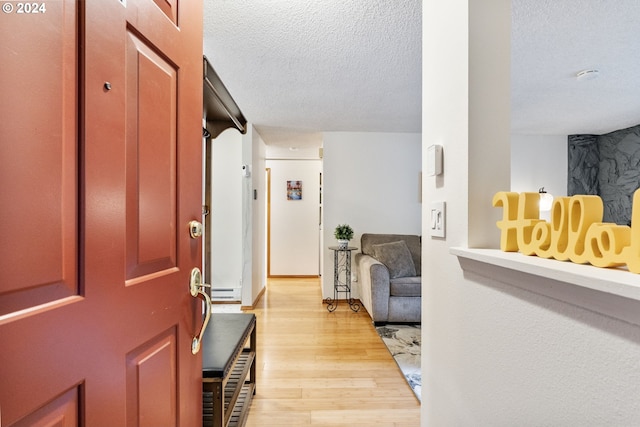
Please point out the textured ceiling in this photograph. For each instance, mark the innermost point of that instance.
(553, 40)
(310, 66)
(298, 68)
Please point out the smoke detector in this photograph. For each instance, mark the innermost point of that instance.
(587, 75)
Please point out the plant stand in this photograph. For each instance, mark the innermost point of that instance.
(341, 278)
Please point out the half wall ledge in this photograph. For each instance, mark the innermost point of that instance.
(614, 292)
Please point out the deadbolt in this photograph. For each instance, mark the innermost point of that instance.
(195, 229)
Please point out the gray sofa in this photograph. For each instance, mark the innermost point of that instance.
(389, 273)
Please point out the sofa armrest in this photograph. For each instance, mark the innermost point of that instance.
(374, 287)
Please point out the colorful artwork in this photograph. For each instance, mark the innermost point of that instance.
(294, 190)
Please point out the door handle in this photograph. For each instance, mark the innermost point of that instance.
(196, 288)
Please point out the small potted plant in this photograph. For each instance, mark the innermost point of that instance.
(343, 233)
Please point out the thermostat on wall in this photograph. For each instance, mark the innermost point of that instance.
(434, 160)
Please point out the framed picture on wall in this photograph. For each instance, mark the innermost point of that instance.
(294, 190)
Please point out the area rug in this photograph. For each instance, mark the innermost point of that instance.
(403, 342)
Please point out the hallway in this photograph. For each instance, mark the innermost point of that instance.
(316, 368)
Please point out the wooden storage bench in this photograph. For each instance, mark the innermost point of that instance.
(228, 369)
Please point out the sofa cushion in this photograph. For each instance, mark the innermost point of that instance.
(406, 287)
(414, 243)
(396, 257)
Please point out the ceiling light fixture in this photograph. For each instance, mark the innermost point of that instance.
(585, 75)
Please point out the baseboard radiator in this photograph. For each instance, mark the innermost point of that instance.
(226, 294)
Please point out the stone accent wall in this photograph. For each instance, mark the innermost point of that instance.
(608, 166)
(584, 164)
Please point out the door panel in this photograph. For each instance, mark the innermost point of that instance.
(61, 412)
(151, 382)
(38, 148)
(169, 8)
(105, 174)
(151, 159)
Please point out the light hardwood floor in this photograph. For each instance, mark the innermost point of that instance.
(316, 368)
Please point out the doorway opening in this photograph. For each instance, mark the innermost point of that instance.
(294, 217)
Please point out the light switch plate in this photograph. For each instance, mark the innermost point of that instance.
(437, 219)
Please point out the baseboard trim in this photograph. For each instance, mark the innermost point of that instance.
(285, 276)
(255, 302)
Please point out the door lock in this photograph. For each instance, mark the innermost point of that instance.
(195, 229)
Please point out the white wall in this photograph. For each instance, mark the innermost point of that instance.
(253, 218)
(495, 354)
(295, 223)
(370, 182)
(226, 210)
(539, 161)
(238, 220)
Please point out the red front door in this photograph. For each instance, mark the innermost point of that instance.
(100, 174)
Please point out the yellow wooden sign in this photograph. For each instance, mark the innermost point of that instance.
(575, 232)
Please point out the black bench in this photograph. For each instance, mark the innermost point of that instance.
(228, 369)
